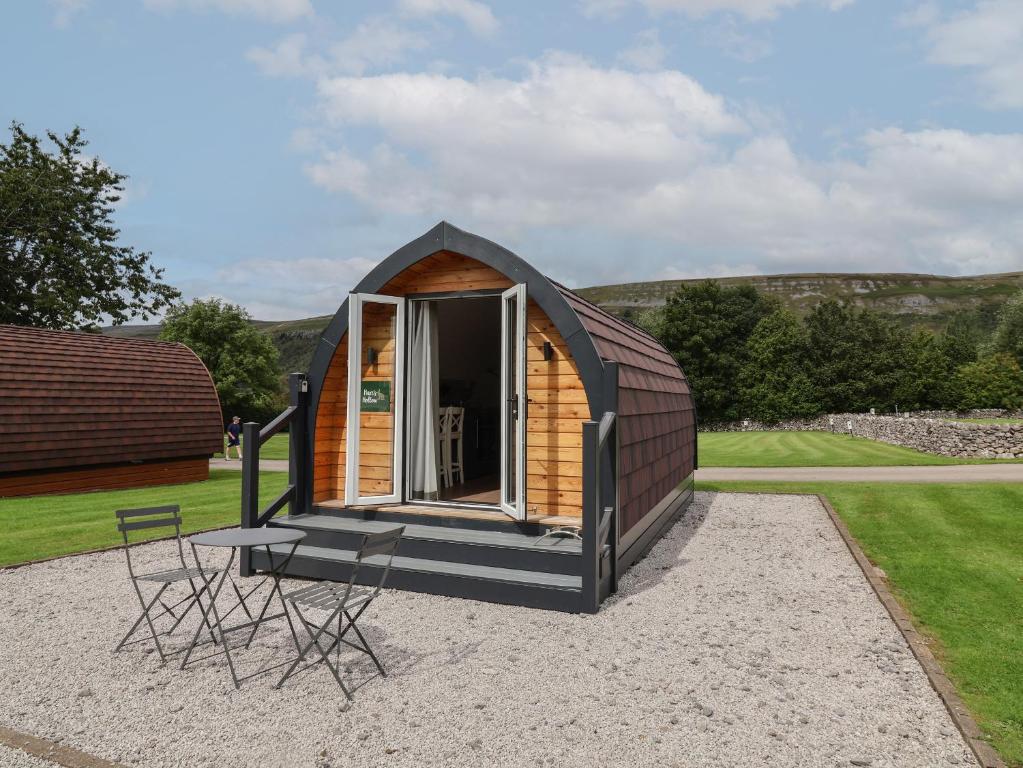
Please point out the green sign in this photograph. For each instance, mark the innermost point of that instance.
(376, 397)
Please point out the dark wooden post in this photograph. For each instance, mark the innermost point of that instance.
(609, 471)
(250, 488)
(298, 455)
(591, 517)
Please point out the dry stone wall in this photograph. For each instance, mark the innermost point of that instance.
(939, 435)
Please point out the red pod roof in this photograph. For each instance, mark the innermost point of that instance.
(70, 399)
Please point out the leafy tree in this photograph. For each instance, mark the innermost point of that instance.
(856, 357)
(925, 375)
(991, 382)
(706, 327)
(1008, 335)
(60, 262)
(774, 383)
(244, 363)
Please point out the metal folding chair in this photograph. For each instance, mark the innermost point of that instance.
(130, 520)
(341, 599)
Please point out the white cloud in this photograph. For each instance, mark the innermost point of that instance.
(65, 10)
(375, 42)
(266, 10)
(477, 16)
(754, 10)
(322, 284)
(288, 58)
(646, 52)
(576, 148)
(987, 39)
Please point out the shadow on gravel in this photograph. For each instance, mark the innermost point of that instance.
(667, 553)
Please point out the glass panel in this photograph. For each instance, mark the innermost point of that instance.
(378, 388)
(511, 403)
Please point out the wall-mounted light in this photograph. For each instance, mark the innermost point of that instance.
(548, 351)
(371, 355)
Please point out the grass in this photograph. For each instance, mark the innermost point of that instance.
(952, 554)
(809, 449)
(46, 526)
(274, 448)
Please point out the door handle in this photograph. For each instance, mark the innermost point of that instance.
(514, 401)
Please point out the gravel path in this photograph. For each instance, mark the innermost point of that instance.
(15, 758)
(949, 473)
(747, 637)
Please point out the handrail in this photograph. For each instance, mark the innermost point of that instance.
(280, 422)
(275, 506)
(606, 422)
(295, 495)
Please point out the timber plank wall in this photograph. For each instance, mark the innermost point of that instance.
(557, 404)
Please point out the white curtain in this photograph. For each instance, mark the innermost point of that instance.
(424, 402)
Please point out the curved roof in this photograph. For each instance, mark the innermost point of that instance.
(72, 399)
(656, 410)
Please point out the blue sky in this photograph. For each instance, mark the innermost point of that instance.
(277, 149)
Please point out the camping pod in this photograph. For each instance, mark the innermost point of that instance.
(533, 445)
(87, 412)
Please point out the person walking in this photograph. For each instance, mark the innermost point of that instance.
(234, 438)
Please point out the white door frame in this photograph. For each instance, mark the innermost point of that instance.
(355, 305)
(513, 300)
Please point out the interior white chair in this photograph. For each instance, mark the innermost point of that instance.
(454, 459)
(443, 446)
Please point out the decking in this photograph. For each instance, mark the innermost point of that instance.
(492, 560)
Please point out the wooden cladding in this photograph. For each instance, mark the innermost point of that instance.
(106, 477)
(557, 404)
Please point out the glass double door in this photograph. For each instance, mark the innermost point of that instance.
(376, 442)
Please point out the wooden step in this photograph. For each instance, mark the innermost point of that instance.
(553, 591)
(504, 548)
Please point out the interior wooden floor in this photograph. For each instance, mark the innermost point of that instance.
(465, 513)
(482, 490)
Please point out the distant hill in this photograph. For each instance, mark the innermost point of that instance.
(294, 339)
(928, 300)
(916, 300)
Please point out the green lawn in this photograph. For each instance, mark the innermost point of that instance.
(954, 557)
(274, 448)
(44, 526)
(809, 449)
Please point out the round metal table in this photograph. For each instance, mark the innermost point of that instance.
(234, 538)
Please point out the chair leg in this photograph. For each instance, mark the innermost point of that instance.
(365, 645)
(313, 641)
(145, 616)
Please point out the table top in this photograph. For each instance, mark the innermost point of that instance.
(247, 537)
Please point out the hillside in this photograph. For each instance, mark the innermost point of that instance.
(927, 300)
(918, 300)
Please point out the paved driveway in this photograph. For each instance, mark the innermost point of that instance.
(951, 473)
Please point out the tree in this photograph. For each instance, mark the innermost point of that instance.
(1008, 335)
(705, 327)
(991, 382)
(774, 383)
(856, 357)
(60, 262)
(243, 362)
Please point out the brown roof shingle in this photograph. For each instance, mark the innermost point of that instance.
(656, 410)
(72, 399)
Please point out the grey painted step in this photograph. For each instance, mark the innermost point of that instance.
(510, 539)
(510, 576)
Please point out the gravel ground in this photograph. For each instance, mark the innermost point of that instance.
(747, 636)
(15, 758)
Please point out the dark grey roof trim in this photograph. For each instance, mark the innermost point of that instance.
(445, 237)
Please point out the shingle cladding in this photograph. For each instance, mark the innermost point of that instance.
(75, 399)
(656, 411)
